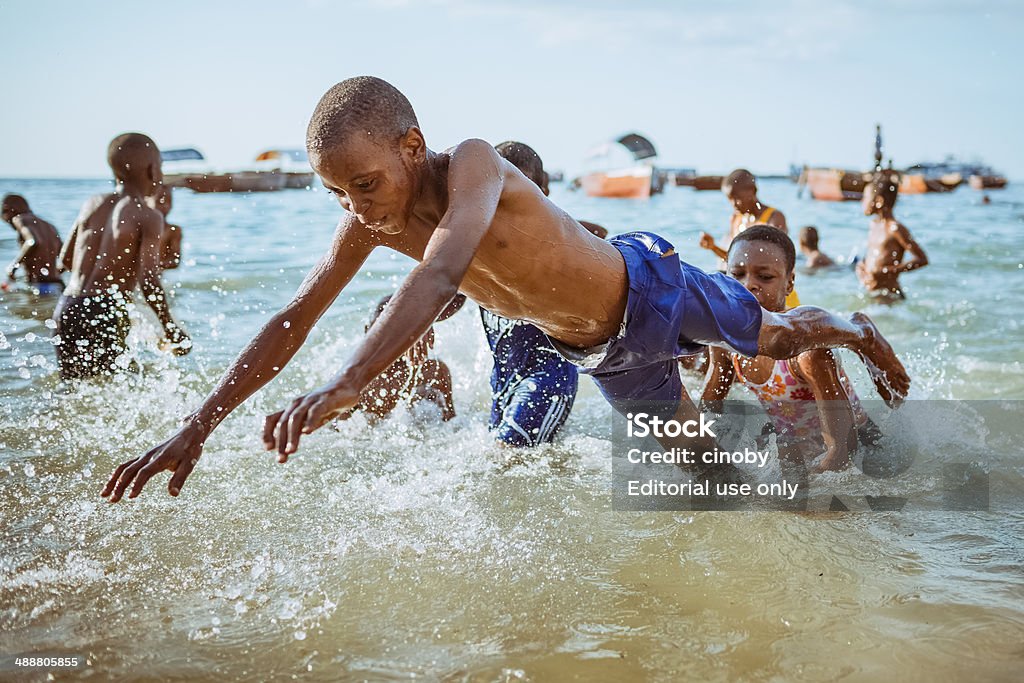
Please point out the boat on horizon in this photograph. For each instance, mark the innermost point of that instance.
(187, 167)
(623, 169)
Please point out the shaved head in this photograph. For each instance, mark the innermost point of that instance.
(523, 157)
(363, 105)
(131, 155)
(739, 179)
(14, 205)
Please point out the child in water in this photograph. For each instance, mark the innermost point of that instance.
(809, 248)
(888, 241)
(412, 378)
(40, 247)
(170, 238)
(809, 399)
(622, 310)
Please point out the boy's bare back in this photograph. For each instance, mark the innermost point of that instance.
(116, 238)
(39, 264)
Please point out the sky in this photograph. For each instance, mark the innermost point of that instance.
(715, 85)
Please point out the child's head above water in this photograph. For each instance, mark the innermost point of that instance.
(881, 193)
(365, 144)
(762, 258)
(526, 159)
(808, 238)
(134, 158)
(14, 205)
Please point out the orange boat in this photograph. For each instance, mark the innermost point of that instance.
(623, 169)
(833, 184)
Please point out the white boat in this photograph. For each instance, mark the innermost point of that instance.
(623, 168)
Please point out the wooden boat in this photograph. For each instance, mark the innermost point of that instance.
(705, 183)
(833, 184)
(987, 182)
(293, 164)
(623, 169)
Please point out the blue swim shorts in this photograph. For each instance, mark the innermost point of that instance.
(673, 309)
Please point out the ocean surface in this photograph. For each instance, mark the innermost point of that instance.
(416, 550)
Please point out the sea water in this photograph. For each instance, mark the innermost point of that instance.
(420, 550)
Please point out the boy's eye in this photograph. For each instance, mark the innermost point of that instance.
(365, 184)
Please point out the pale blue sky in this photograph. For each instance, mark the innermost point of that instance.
(714, 85)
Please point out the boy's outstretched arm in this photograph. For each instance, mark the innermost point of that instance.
(918, 259)
(837, 425)
(475, 184)
(259, 363)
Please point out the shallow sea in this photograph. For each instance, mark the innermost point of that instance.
(417, 550)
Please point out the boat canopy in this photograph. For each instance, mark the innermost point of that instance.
(638, 145)
(184, 154)
(296, 155)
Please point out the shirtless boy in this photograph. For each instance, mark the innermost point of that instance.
(622, 309)
(888, 242)
(809, 399)
(40, 246)
(114, 246)
(170, 238)
(414, 377)
(740, 187)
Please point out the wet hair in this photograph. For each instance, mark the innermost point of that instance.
(130, 153)
(809, 237)
(523, 157)
(364, 104)
(766, 233)
(15, 204)
(886, 185)
(741, 177)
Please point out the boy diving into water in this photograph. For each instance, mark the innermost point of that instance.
(623, 310)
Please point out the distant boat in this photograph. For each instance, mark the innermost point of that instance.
(834, 184)
(948, 174)
(188, 168)
(623, 169)
(706, 183)
(293, 164)
(987, 182)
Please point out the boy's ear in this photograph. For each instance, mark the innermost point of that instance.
(413, 144)
(791, 283)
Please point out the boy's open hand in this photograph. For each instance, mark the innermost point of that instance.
(706, 241)
(306, 414)
(178, 454)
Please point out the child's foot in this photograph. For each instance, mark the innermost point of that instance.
(886, 370)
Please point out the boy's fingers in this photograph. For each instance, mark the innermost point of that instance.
(296, 422)
(144, 475)
(126, 478)
(269, 425)
(185, 468)
(113, 479)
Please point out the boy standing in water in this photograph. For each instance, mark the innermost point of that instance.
(888, 241)
(623, 310)
(114, 247)
(740, 188)
(40, 247)
(812, 406)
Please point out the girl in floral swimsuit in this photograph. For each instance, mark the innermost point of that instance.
(809, 399)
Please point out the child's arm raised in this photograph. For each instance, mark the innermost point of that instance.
(819, 368)
(259, 363)
(918, 259)
(475, 183)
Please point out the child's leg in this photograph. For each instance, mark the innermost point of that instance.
(784, 335)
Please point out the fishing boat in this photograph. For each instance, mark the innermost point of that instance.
(833, 184)
(706, 183)
(188, 168)
(623, 169)
(292, 164)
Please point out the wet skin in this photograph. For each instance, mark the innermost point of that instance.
(476, 224)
